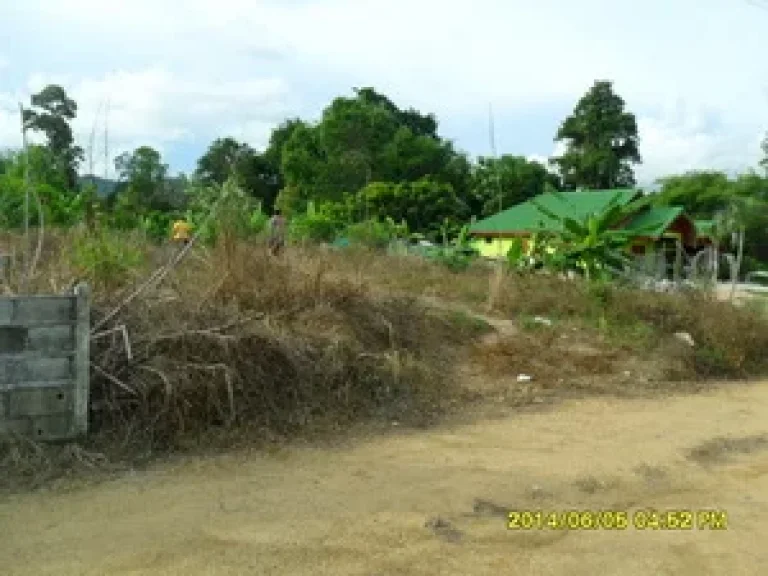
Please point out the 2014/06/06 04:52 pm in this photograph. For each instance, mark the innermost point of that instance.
(641, 519)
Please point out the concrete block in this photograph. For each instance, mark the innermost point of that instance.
(20, 426)
(13, 339)
(44, 365)
(82, 366)
(37, 310)
(6, 311)
(19, 368)
(54, 427)
(39, 401)
(31, 385)
(51, 338)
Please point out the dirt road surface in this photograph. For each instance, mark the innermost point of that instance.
(429, 502)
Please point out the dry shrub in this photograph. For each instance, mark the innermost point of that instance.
(274, 346)
(729, 341)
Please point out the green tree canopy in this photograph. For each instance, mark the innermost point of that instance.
(51, 113)
(515, 178)
(702, 193)
(363, 139)
(255, 173)
(425, 205)
(142, 176)
(221, 160)
(601, 142)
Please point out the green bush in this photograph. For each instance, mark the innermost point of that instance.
(375, 233)
(105, 258)
(257, 223)
(213, 210)
(455, 259)
(157, 225)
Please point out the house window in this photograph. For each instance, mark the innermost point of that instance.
(488, 240)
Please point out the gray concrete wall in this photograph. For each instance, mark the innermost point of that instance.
(44, 365)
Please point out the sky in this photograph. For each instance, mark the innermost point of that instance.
(175, 75)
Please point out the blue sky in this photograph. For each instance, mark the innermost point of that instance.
(179, 74)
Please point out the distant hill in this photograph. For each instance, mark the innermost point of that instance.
(104, 187)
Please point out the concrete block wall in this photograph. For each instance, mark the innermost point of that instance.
(44, 365)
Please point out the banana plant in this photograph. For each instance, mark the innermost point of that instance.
(594, 244)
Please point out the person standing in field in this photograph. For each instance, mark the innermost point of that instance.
(180, 237)
(276, 233)
(181, 230)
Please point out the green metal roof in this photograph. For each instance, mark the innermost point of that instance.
(653, 222)
(526, 217)
(705, 228)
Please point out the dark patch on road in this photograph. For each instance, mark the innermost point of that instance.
(590, 485)
(718, 450)
(652, 474)
(444, 529)
(488, 508)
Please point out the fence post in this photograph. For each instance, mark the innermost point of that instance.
(82, 359)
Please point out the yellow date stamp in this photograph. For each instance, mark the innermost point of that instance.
(640, 519)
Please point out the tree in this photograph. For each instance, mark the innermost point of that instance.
(360, 140)
(426, 206)
(142, 177)
(701, 193)
(514, 178)
(601, 142)
(763, 163)
(221, 160)
(253, 172)
(278, 138)
(51, 113)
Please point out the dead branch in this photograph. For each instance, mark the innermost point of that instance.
(113, 379)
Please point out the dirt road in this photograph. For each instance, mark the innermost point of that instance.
(364, 509)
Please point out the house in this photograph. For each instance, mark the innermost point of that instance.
(659, 228)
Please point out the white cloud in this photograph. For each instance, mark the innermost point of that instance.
(158, 108)
(234, 66)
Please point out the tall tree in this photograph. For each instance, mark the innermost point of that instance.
(601, 142)
(51, 113)
(142, 176)
(764, 160)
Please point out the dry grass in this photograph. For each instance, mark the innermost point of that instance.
(730, 341)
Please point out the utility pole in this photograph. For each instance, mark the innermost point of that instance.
(496, 166)
(106, 141)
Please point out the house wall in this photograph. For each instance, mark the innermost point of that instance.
(496, 248)
(685, 228)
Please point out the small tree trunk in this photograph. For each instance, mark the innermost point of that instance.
(737, 264)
